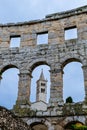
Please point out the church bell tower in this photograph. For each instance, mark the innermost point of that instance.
(41, 93)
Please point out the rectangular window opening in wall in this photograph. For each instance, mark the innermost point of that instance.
(14, 41)
(71, 33)
(42, 38)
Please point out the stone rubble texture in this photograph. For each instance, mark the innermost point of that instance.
(8, 121)
(56, 54)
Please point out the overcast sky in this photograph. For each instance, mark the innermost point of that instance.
(25, 10)
(12, 11)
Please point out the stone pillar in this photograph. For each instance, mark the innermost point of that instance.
(85, 80)
(24, 88)
(56, 91)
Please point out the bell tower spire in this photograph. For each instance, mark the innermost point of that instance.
(42, 76)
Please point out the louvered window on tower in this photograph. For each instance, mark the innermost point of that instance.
(42, 90)
(42, 84)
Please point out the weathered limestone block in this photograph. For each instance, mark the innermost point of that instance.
(39, 106)
(24, 87)
(56, 86)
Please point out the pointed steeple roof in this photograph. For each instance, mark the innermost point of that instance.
(42, 76)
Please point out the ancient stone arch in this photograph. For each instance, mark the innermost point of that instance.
(38, 62)
(68, 60)
(69, 120)
(56, 53)
(8, 67)
(36, 121)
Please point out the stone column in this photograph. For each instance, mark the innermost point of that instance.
(85, 80)
(24, 88)
(56, 91)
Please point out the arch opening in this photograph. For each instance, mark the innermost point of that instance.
(9, 86)
(40, 87)
(73, 81)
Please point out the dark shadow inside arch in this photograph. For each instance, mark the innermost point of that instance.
(9, 86)
(73, 80)
(38, 126)
(70, 125)
(36, 72)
